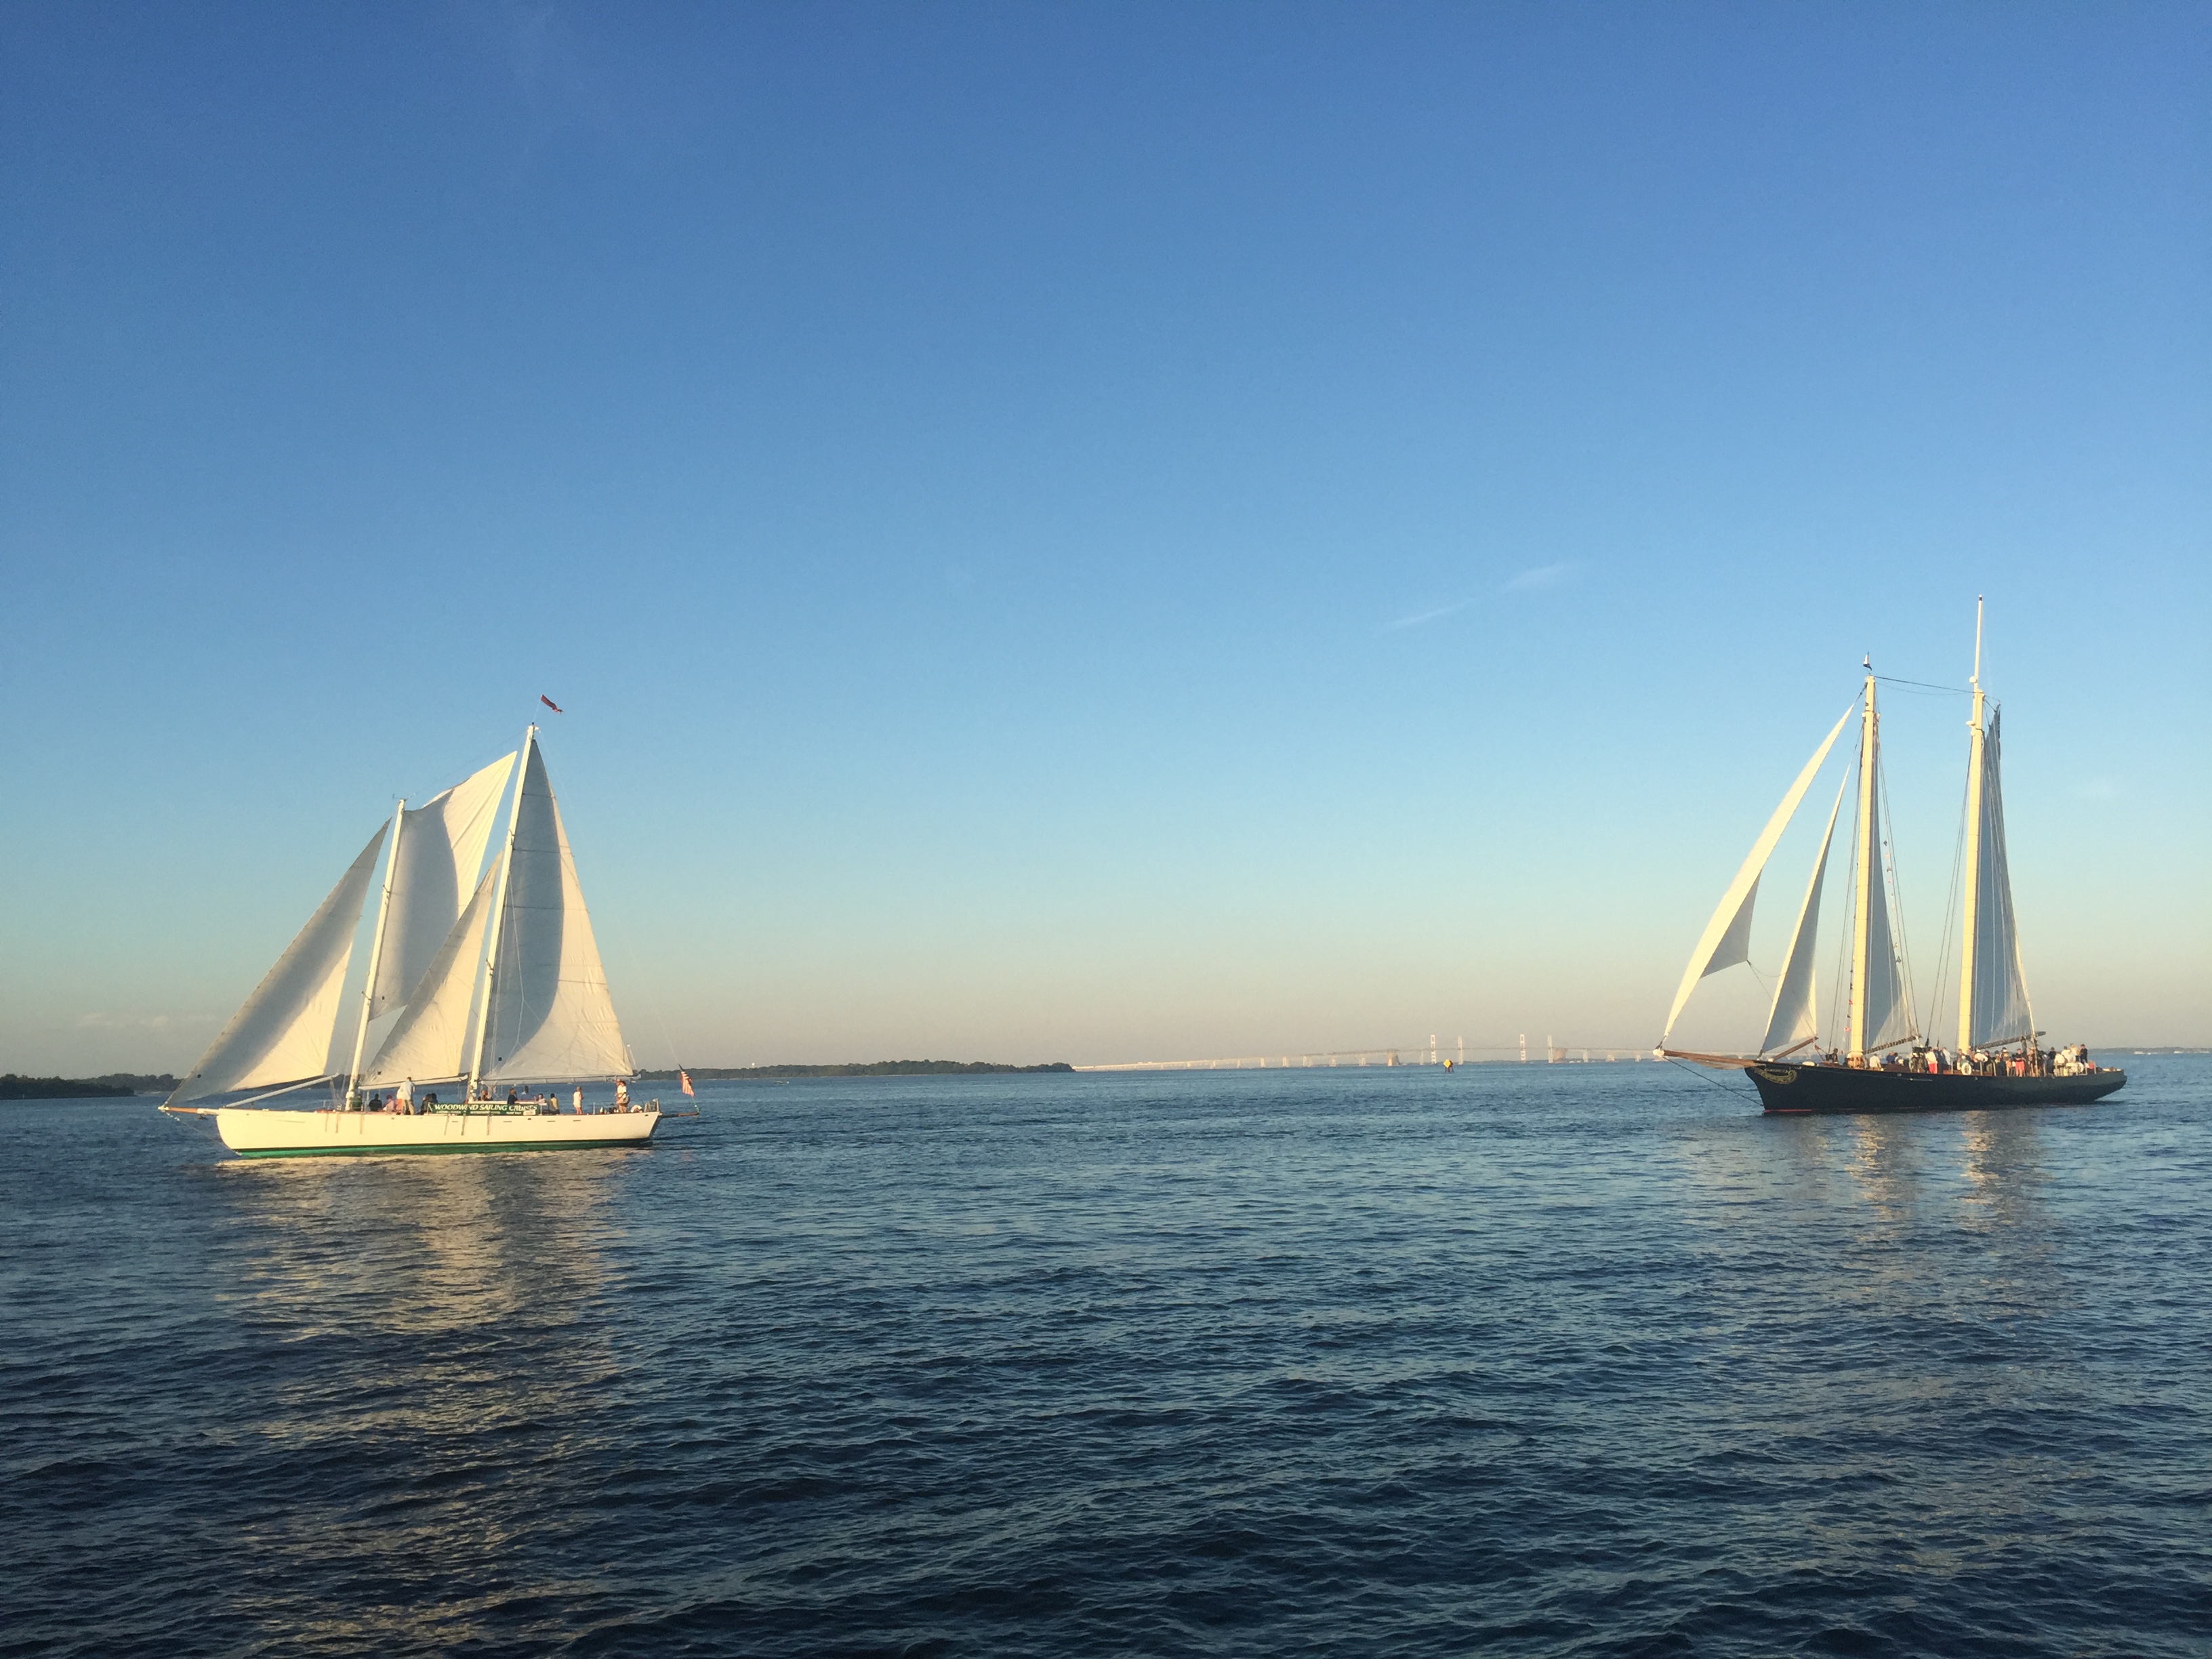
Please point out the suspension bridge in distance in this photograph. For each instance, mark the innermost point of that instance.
(1430, 1054)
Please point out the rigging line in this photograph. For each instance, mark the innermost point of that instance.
(1712, 1082)
(1923, 685)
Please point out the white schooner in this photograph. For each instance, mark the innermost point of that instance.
(1881, 1061)
(494, 980)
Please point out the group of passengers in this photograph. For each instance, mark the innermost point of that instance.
(402, 1100)
(1979, 1062)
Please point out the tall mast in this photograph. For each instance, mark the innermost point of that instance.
(1971, 875)
(499, 909)
(376, 949)
(1869, 866)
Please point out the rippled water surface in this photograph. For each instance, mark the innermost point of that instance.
(1573, 1360)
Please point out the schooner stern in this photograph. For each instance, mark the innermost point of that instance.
(490, 980)
(1884, 1063)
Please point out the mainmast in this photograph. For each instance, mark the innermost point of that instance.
(1869, 862)
(499, 909)
(1970, 875)
(376, 949)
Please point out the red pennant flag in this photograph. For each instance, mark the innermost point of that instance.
(686, 1079)
(550, 703)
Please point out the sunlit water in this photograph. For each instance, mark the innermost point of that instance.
(1576, 1360)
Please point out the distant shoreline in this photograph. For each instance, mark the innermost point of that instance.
(115, 1086)
(856, 1069)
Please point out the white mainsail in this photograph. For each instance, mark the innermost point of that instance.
(1795, 1019)
(1726, 940)
(430, 1041)
(1993, 991)
(282, 1032)
(441, 847)
(549, 1016)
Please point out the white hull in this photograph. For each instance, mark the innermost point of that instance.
(255, 1132)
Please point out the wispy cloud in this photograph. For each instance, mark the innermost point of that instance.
(1544, 575)
(1419, 616)
(100, 1020)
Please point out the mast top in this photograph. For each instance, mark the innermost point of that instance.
(1978, 642)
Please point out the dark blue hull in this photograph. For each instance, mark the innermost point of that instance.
(1793, 1086)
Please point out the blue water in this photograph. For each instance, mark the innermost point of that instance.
(1516, 1360)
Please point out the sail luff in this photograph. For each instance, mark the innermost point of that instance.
(430, 1039)
(499, 906)
(1998, 1009)
(282, 1032)
(1971, 876)
(1970, 882)
(1794, 1019)
(551, 1016)
(1724, 944)
(1867, 861)
(376, 948)
(440, 856)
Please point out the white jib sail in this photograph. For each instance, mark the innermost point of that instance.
(1726, 940)
(1999, 1003)
(282, 1032)
(1795, 1018)
(1888, 1018)
(551, 1016)
(441, 846)
(430, 1041)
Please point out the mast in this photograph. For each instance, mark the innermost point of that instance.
(499, 907)
(376, 949)
(1972, 873)
(1869, 867)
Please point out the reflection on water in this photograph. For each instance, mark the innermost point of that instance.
(448, 1313)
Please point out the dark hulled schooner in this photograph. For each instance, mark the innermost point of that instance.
(1884, 1062)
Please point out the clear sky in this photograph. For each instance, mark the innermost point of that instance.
(1097, 533)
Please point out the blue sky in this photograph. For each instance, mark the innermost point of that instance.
(1095, 532)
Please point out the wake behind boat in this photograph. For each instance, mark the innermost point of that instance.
(502, 989)
(1885, 1063)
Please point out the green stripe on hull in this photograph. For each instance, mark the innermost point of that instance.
(405, 1151)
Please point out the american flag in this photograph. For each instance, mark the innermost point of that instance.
(684, 1078)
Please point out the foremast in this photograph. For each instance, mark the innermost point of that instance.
(1867, 864)
(375, 951)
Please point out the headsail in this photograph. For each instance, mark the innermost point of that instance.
(1727, 938)
(550, 1015)
(1795, 1019)
(441, 846)
(431, 1039)
(282, 1032)
(1994, 1005)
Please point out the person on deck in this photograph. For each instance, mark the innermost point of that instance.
(622, 1095)
(579, 1100)
(405, 1100)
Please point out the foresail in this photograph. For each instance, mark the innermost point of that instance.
(551, 1016)
(430, 1039)
(1889, 1018)
(1999, 1010)
(1727, 938)
(282, 1032)
(441, 846)
(1795, 1019)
